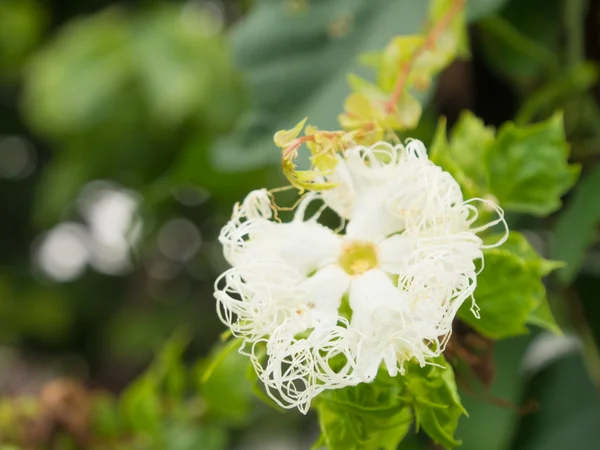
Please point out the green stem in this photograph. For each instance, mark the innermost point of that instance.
(575, 11)
(591, 356)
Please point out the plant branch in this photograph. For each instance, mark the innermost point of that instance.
(430, 41)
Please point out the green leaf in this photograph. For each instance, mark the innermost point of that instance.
(365, 417)
(542, 317)
(478, 9)
(142, 403)
(22, 23)
(522, 42)
(378, 415)
(510, 293)
(195, 437)
(569, 409)
(518, 245)
(185, 67)
(170, 367)
(524, 168)
(226, 391)
(105, 416)
(441, 154)
(436, 402)
(576, 226)
(566, 87)
(463, 155)
(528, 169)
(141, 406)
(488, 422)
(470, 140)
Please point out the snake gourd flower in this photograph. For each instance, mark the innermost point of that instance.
(318, 309)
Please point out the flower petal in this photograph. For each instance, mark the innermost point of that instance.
(380, 315)
(396, 254)
(360, 177)
(340, 198)
(304, 246)
(321, 296)
(385, 190)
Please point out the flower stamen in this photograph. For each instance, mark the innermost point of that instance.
(358, 257)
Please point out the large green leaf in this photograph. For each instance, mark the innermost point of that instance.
(493, 422)
(569, 410)
(297, 65)
(525, 168)
(225, 390)
(510, 293)
(195, 437)
(528, 169)
(576, 226)
(22, 23)
(143, 402)
(521, 43)
(478, 9)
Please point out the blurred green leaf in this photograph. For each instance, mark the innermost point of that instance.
(120, 94)
(169, 365)
(576, 226)
(196, 437)
(297, 64)
(141, 406)
(528, 169)
(22, 23)
(85, 77)
(522, 42)
(491, 422)
(477, 9)
(226, 391)
(105, 416)
(557, 92)
(569, 409)
(143, 402)
(510, 293)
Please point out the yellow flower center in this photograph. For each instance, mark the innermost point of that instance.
(358, 257)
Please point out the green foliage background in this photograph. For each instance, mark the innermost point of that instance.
(173, 105)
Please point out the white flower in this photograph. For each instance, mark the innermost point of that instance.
(319, 310)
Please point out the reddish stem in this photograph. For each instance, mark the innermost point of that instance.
(430, 41)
